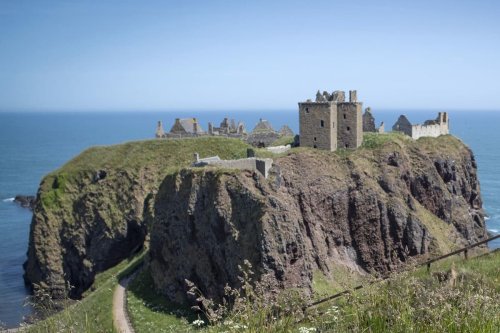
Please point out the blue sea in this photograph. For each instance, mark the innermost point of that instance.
(33, 144)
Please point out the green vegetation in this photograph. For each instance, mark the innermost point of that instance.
(376, 140)
(457, 296)
(155, 158)
(342, 279)
(151, 312)
(466, 300)
(283, 141)
(161, 154)
(94, 312)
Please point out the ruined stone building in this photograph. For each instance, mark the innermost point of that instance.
(263, 134)
(433, 127)
(368, 121)
(187, 127)
(228, 128)
(190, 127)
(330, 122)
(286, 131)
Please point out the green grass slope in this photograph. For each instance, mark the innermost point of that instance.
(157, 157)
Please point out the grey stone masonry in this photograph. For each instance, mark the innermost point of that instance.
(261, 165)
(368, 121)
(160, 133)
(432, 128)
(329, 124)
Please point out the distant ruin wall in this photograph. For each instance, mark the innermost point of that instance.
(434, 130)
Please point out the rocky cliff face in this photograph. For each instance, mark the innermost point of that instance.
(95, 211)
(368, 210)
(98, 223)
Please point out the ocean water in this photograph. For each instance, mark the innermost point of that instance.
(33, 144)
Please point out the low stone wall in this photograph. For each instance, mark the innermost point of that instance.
(278, 149)
(262, 165)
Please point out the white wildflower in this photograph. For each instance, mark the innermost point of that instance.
(307, 329)
(198, 323)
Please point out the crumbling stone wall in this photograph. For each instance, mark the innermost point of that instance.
(402, 125)
(368, 121)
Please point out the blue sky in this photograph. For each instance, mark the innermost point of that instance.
(219, 55)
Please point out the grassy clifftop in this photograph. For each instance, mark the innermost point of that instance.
(156, 157)
(94, 211)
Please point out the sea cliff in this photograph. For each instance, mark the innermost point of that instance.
(367, 210)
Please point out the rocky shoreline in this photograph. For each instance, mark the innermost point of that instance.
(25, 201)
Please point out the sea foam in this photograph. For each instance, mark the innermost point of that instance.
(9, 200)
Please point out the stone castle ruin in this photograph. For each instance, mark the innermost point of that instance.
(432, 128)
(263, 134)
(187, 127)
(330, 122)
(228, 128)
(190, 127)
(369, 122)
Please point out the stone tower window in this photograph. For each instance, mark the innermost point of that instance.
(348, 128)
(307, 110)
(314, 138)
(322, 123)
(333, 124)
(345, 116)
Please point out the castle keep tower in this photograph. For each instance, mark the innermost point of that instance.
(330, 122)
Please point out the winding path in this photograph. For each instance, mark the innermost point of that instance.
(121, 321)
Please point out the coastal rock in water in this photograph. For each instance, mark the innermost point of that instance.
(26, 201)
(368, 212)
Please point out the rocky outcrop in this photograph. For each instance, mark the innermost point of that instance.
(95, 211)
(25, 201)
(368, 211)
(99, 222)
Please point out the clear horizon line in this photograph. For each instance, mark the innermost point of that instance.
(198, 110)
